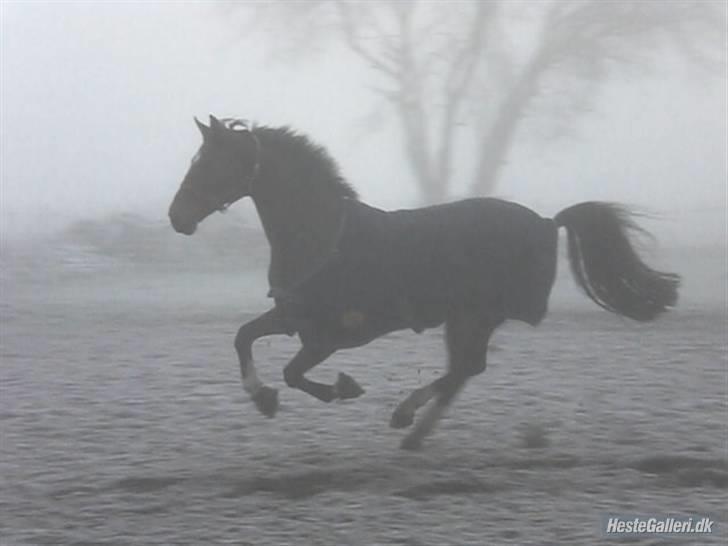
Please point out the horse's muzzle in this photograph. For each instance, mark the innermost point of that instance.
(182, 226)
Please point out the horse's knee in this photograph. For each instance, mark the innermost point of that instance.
(291, 376)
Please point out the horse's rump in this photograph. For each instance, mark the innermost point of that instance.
(495, 255)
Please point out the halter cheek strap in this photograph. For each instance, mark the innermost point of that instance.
(256, 166)
(242, 126)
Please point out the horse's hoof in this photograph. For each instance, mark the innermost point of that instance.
(346, 387)
(401, 419)
(411, 443)
(266, 400)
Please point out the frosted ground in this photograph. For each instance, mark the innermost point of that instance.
(124, 422)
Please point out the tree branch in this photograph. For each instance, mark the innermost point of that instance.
(355, 44)
(457, 83)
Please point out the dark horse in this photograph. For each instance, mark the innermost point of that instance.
(343, 273)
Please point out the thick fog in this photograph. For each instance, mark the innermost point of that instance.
(142, 370)
(98, 101)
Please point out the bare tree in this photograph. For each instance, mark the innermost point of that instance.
(456, 70)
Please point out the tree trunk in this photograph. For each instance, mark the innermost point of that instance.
(498, 139)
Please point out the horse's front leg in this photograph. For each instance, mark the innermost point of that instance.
(269, 323)
(307, 358)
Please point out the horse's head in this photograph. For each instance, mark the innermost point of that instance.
(222, 171)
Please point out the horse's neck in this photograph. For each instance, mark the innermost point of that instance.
(302, 225)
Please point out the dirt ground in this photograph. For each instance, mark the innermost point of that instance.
(123, 422)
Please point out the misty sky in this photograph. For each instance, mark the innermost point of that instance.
(98, 100)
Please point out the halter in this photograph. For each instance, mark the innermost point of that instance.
(241, 125)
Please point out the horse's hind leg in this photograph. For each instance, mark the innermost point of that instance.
(467, 337)
(404, 415)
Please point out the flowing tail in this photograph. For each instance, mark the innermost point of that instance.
(606, 265)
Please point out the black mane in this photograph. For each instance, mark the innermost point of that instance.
(310, 159)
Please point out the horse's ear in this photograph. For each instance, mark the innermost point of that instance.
(216, 124)
(204, 129)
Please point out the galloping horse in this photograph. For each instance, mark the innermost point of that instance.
(343, 273)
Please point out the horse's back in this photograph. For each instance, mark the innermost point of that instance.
(494, 254)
